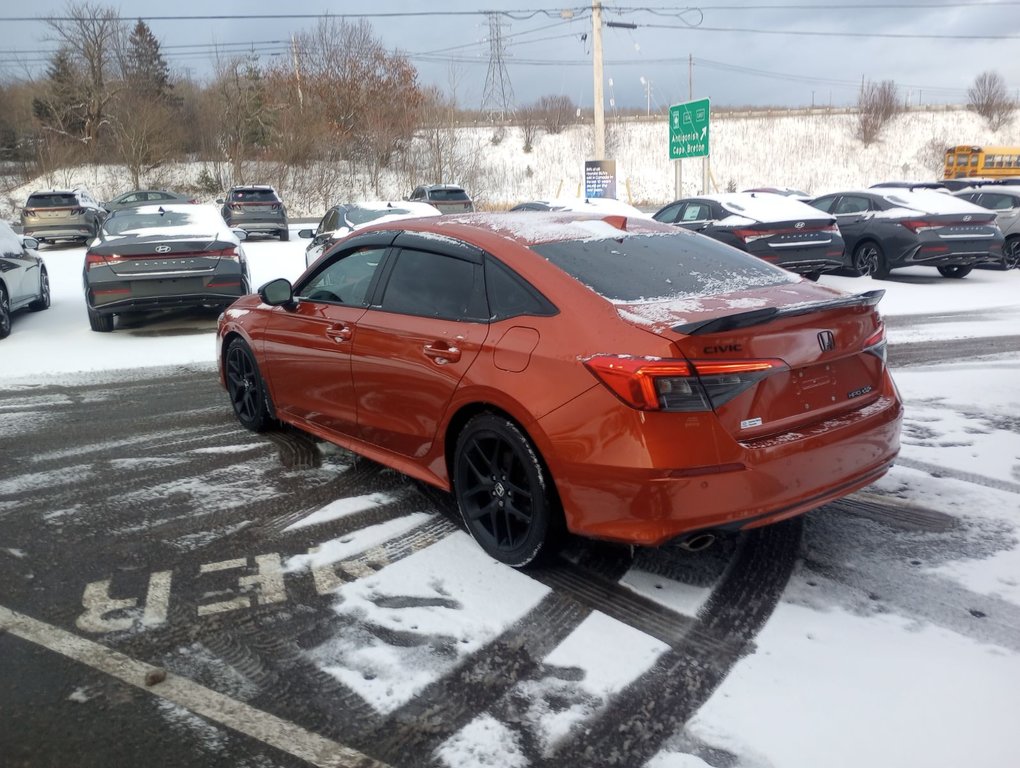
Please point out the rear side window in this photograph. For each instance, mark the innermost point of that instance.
(434, 285)
(51, 201)
(653, 267)
(510, 296)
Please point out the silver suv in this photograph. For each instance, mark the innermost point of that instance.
(1005, 201)
(62, 214)
(448, 198)
(255, 208)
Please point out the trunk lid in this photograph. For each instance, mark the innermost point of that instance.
(152, 257)
(827, 350)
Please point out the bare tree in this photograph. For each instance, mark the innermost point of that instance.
(92, 36)
(246, 124)
(877, 104)
(557, 112)
(990, 99)
(528, 118)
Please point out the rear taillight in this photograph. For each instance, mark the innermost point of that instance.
(875, 344)
(920, 225)
(77, 211)
(94, 260)
(750, 235)
(236, 206)
(226, 253)
(678, 385)
(29, 211)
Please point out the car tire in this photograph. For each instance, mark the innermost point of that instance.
(504, 492)
(247, 389)
(284, 235)
(43, 302)
(954, 270)
(1011, 254)
(869, 261)
(5, 313)
(99, 322)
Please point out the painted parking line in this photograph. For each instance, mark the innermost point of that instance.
(214, 706)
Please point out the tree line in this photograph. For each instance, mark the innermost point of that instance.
(341, 101)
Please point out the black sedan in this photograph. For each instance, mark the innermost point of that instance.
(890, 228)
(776, 228)
(139, 197)
(23, 279)
(157, 257)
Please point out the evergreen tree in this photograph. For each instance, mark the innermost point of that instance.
(60, 108)
(145, 68)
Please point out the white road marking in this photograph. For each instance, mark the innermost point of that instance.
(157, 601)
(97, 603)
(262, 726)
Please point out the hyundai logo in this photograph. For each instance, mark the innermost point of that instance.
(799, 225)
(966, 218)
(162, 249)
(827, 341)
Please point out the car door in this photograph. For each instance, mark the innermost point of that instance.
(307, 346)
(695, 216)
(412, 350)
(854, 214)
(19, 270)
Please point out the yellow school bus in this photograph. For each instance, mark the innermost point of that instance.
(986, 162)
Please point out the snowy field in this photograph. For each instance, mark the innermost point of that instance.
(903, 651)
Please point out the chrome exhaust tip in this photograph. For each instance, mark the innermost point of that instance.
(697, 542)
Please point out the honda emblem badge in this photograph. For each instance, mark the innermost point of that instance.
(162, 249)
(827, 341)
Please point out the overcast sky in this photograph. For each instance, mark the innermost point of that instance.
(762, 52)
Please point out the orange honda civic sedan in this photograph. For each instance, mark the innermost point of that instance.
(610, 376)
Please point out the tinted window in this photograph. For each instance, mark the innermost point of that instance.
(648, 267)
(823, 204)
(668, 214)
(254, 196)
(510, 296)
(456, 195)
(997, 202)
(433, 285)
(51, 201)
(849, 204)
(344, 280)
(357, 215)
(695, 212)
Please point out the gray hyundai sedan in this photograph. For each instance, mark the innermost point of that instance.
(155, 257)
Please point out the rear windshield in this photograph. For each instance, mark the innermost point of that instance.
(51, 201)
(652, 267)
(254, 196)
(129, 221)
(456, 195)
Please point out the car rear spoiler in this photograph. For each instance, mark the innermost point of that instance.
(760, 316)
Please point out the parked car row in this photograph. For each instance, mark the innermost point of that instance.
(867, 232)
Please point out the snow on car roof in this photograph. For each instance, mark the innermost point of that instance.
(595, 205)
(534, 227)
(173, 220)
(929, 201)
(766, 206)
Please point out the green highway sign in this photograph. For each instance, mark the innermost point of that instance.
(688, 130)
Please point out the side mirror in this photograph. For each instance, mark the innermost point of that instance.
(30, 242)
(306, 234)
(219, 201)
(277, 293)
(240, 234)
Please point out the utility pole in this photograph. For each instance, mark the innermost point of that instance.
(690, 77)
(297, 72)
(498, 98)
(600, 113)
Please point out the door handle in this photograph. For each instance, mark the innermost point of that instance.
(339, 333)
(442, 352)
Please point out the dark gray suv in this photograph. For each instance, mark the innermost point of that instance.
(448, 198)
(62, 214)
(257, 209)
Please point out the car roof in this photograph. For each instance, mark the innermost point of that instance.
(260, 187)
(443, 186)
(761, 206)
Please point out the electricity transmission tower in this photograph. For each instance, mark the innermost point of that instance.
(498, 98)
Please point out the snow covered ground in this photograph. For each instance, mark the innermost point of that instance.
(884, 650)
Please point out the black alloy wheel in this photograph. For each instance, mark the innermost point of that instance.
(1011, 254)
(869, 261)
(247, 391)
(503, 492)
(5, 313)
(954, 270)
(43, 302)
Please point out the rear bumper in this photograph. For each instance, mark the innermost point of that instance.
(148, 303)
(624, 489)
(261, 224)
(806, 260)
(57, 231)
(937, 252)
